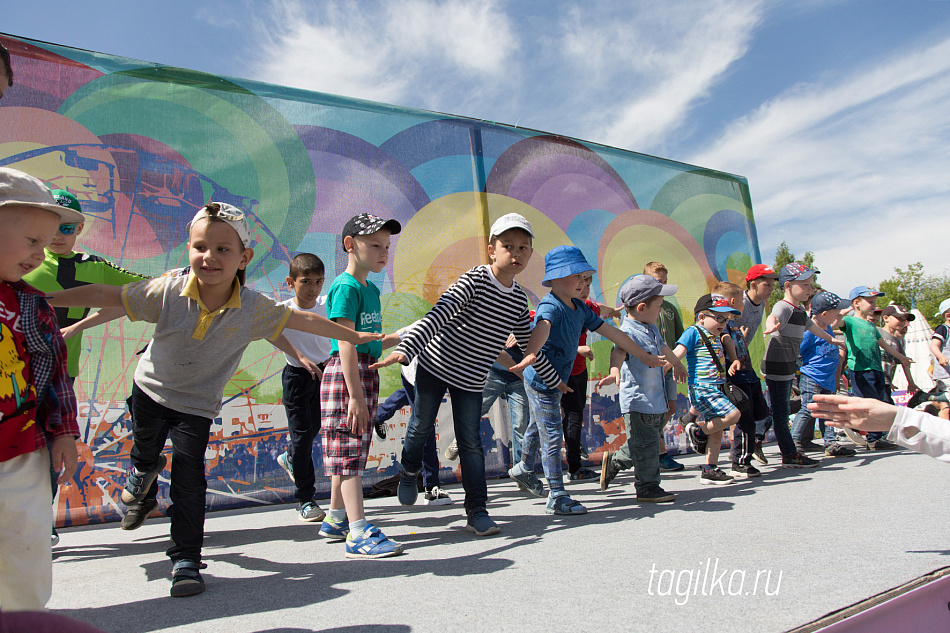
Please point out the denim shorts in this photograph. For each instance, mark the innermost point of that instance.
(710, 401)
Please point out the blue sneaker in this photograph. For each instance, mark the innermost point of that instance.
(283, 460)
(137, 484)
(333, 530)
(480, 524)
(670, 464)
(408, 489)
(371, 543)
(564, 505)
(527, 482)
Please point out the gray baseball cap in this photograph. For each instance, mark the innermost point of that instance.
(639, 288)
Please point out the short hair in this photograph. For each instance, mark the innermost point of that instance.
(5, 56)
(652, 268)
(727, 289)
(494, 238)
(306, 264)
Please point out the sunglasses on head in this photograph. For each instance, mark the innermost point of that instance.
(719, 319)
(68, 229)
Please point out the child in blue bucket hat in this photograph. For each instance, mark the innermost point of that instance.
(558, 322)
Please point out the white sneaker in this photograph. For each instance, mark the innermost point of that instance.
(283, 460)
(452, 452)
(437, 497)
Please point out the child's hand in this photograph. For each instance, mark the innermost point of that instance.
(654, 361)
(769, 328)
(563, 388)
(839, 343)
(512, 341)
(526, 362)
(65, 457)
(311, 367)
(395, 357)
(69, 331)
(679, 375)
(362, 338)
(735, 366)
(905, 360)
(613, 378)
(586, 352)
(357, 416)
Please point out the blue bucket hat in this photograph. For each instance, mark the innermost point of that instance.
(564, 261)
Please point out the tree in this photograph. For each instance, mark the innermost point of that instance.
(784, 256)
(911, 288)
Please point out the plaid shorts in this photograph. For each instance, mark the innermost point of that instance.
(343, 452)
(710, 401)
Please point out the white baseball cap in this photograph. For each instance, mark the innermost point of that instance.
(23, 190)
(511, 221)
(230, 214)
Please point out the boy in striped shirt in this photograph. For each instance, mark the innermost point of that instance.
(457, 342)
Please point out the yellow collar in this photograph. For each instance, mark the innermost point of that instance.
(190, 291)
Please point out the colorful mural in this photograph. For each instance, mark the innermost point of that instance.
(143, 146)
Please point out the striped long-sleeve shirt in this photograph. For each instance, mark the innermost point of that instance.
(459, 339)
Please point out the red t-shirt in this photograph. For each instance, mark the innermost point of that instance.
(17, 393)
(580, 363)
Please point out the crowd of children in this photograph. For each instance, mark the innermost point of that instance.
(478, 342)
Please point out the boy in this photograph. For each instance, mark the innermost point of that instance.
(940, 352)
(456, 342)
(558, 322)
(742, 376)
(865, 370)
(706, 377)
(760, 281)
(784, 329)
(204, 320)
(301, 389)
(895, 320)
(670, 324)
(350, 390)
(40, 406)
(820, 374)
(644, 391)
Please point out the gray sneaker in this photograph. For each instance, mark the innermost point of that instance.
(837, 450)
(452, 452)
(137, 513)
(528, 482)
(310, 512)
(715, 476)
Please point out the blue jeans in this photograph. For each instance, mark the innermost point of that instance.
(803, 428)
(430, 454)
(466, 414)
(545, 429)
(152, 424)
(497, 385)
(641, 451)
(870, 384)
(779, 393)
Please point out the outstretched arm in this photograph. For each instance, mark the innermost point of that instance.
(316, 324)
(88, 296)
(624, 342)
(96, 318)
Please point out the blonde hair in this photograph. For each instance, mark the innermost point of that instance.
(653, 268)
(727, 289)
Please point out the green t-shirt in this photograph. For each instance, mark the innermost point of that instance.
(61, 272)
(349, 299)
(864, 352)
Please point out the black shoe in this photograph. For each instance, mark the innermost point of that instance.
(380, 430)
(917, 399)
(837, 450)
(697, 439)
(745, 472)
(656, 495)
(186, 580)
(137, 484)
(137, 513)
(808, 447)
(758, 454)
(882, 445)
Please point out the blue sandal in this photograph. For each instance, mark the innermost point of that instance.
(564, 505)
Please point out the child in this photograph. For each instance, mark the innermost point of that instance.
(760, 281)
(40, 407)
(742, 376)
(940, 352)
(670, 324)
(204, 320)
(301, 388)
(350, 389)
(456, 342)
(865, 370)
(787, 325)
(706, 377)
(895, 320)
(820, 374)
(558, 322)
(62, 267)
(644, 391)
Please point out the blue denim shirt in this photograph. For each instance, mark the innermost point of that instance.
(644, 389)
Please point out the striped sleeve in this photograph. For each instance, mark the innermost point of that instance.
(452, 301)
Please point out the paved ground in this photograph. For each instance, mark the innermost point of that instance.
(817, 540)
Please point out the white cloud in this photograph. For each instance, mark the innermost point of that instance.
(387, 51)
(854, 168)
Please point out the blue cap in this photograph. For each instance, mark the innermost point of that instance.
(863, 291)
(564, 261)
(828, 301)
(795, 272)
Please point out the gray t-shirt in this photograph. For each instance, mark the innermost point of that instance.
(194, 352)
(751, 316)
(783, 350)
(889, 362)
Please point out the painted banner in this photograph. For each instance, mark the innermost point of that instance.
(144, 146)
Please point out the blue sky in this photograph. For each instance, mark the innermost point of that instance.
(837, 111)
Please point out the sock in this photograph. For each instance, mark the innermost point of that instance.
(357, 527)
(336, 515)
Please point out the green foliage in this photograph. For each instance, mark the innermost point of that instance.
(911, 287)
(784, 256)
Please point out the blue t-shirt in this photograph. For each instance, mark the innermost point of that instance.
(349, 299)
(820, 360)
(644, 389)
(702, 368)
(561, 346)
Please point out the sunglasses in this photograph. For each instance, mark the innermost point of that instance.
(719, 319)
(68, 229)
(235, 216)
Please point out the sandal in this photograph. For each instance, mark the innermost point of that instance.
(564, 505)
(186, 579)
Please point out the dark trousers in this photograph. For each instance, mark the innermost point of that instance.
(870, 384)
(430, 453)
(152, 424)
(743, 437)
(302, 403)
(572, 405)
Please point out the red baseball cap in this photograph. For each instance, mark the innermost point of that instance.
(761, 270)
